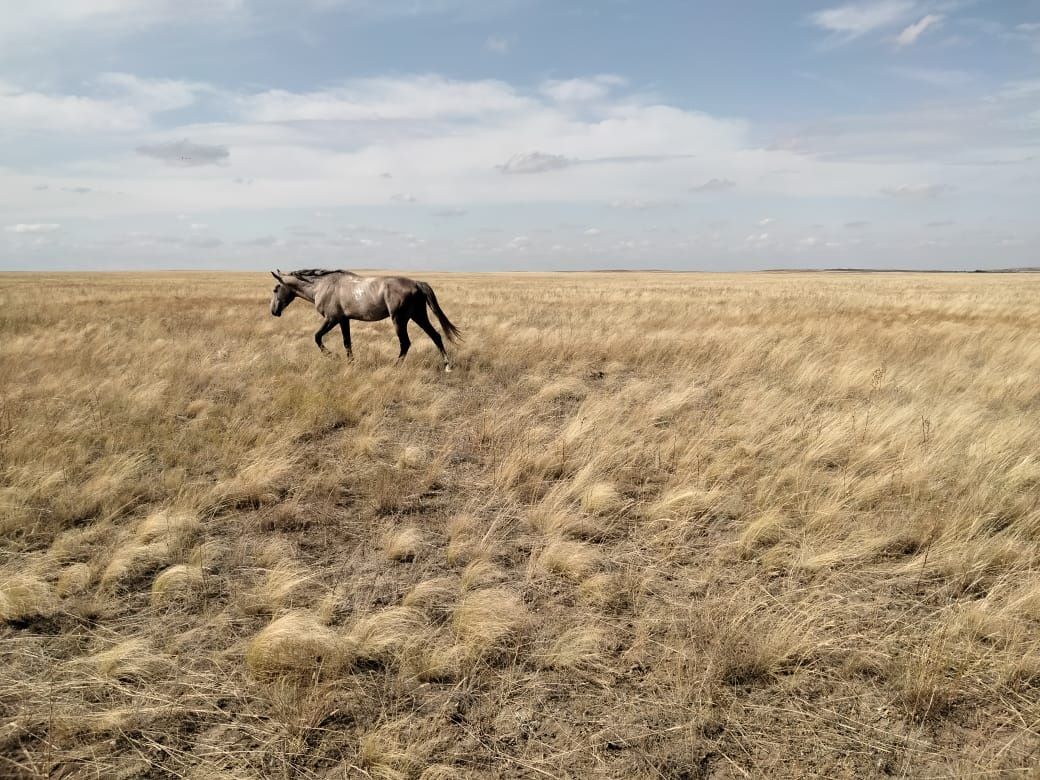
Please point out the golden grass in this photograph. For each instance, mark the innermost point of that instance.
(651, 526)
(295, 644)
(383, 636)
(177, 583)
(132, 660)
(575, 560)
(489, 619)
(23, 596)
(403, 545)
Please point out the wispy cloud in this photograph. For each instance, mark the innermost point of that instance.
(918, 191)
(25, 110)
(911, 33)
(856, 19)
(39, 28)
(385, 99)
(580, 90)
(535, 162)
(1019, 90)
(121, 103)
(34, 227)
(714, 185)
(497, 45)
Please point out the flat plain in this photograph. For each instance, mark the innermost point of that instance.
(653, 525)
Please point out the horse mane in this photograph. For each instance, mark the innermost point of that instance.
(317, 273)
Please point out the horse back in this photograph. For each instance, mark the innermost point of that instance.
(373, 298)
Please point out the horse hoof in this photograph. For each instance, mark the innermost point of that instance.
(447, 369)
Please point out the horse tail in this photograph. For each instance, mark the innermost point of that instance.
(453, 333)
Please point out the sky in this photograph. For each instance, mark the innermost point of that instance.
(519, 134)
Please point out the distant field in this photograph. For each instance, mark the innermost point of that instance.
(662, 526)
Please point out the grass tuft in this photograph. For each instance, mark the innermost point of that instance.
(297, 644)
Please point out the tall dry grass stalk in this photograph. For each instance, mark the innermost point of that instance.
(653, 526)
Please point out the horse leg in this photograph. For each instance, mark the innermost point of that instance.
(344, 326)
(326, 326)
(422, 319)
(401, 326)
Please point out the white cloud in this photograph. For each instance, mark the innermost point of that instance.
(417, 98)
(126, 103)
(38, 227)
(938, 132)
(46, 23)
(765, 222)
(918, 191)
(497, 44)
(152, 95)
(581, 90)
(911, 33)
(714, 185)
(534, 162)
(856, 19)
(1019, 90)
(619, 151)
(593, 232)
(23, 110)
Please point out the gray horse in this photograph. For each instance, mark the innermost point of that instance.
(342, 296)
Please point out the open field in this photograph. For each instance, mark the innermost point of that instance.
(663, 526)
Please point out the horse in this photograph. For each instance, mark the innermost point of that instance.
(342, 296)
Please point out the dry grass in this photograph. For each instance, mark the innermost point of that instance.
(24, 597)
(654, 526)
(296, 644)
(403, 545)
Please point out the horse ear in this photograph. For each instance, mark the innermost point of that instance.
(276, 275)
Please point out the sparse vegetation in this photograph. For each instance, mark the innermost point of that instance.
(652, 526)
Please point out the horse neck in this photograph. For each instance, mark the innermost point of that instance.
(304, 288)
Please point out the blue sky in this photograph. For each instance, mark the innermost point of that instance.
(519, 134)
